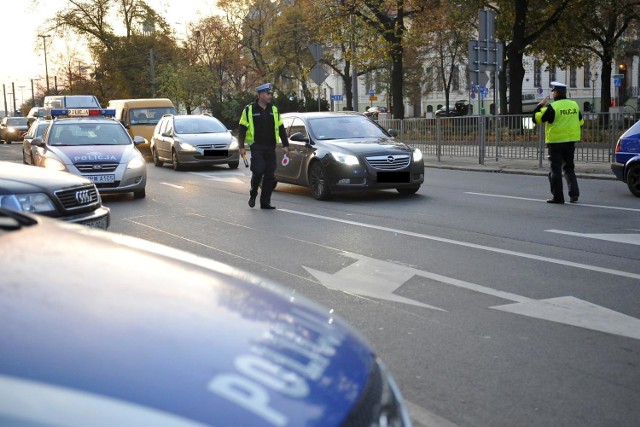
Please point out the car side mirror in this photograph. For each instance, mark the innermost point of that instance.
(393, 132)
(299, 137)
(166, 134)
(37, 142)
(137, 140)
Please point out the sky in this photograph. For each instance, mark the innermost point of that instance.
(23, 51)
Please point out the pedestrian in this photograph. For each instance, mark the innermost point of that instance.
(261, 127)
(563, 129)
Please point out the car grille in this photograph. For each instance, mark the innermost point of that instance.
(389, 162)
(205, 146)
(78, 197)
(96, 167)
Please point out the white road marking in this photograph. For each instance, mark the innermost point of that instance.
(172, 185)
(379, 279)
(222, 176)
(541, 200)
(632, 239)
(472, 245)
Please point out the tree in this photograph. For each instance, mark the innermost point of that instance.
(519, 24)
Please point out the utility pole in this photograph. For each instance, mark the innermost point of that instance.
(46, 68)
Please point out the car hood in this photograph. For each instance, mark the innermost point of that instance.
(72, 154)
(120, 321)
(205, 138)
(16, 178)
(368, 145)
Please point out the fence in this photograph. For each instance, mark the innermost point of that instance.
(506, 137)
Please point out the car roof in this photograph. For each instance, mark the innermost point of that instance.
(320, 114)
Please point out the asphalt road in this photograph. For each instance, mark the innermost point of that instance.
(490, 306)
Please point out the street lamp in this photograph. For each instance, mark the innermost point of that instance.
(594, 78)
(46, 69)
(33, 94)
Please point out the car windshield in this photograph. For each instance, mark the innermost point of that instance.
(17, 121)
(88, 133)
(194, 125)
(81, 101)
(149, 115)
(345, 127)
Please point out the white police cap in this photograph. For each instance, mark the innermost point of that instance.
(264, 88)
(558, 85)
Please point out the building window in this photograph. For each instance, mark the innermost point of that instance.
(429, 80)
(455, 83)
(552, 74)
(537, 73)
(573, 77)
(586, 75)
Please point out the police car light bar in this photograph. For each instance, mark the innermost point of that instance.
(83, 112)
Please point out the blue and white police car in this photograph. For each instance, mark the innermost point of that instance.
(627, 159)
(187, 341)
(91, 143)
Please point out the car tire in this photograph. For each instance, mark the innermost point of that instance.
(407, 191)
(175, 162)
(156, 159)
(633, 180)
(141, 194)
(318, 182)
(234, 165)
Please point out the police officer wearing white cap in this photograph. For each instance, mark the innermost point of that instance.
(563, 121)
(261, 127)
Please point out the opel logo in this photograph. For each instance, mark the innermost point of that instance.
(83, 197)
(390, 159)
(97, 167)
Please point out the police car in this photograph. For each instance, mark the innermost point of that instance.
(186, 341)
(627, 159)
(90, 143)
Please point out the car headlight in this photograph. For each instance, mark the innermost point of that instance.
(35, 202)
(54, 164)
(234, 143)
(417, 155)
(136, 163)
(347, 159)
(186, 147)
(11, 129)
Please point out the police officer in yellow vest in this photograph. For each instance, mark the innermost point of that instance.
(563, 129)
(261, 127)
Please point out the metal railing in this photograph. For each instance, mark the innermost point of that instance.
(506, 137)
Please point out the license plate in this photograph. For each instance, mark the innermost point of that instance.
(217, 153)
(99, 223)
(393, 177)
(101, 178)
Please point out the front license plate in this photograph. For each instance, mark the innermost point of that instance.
(99, 223)
(394, 177)
(217, 153)
(101, 178)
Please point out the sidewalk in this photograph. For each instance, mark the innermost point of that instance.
(595, 170)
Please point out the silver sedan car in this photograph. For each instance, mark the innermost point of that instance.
(193, 140)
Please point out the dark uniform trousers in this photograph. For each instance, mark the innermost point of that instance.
(263, 167)
(561, 157)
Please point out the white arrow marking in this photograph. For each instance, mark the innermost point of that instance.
(632, 239)
(172, 185)
(379, 279)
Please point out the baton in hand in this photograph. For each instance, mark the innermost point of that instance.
(244, 159)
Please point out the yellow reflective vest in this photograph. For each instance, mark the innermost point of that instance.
(246, 119)
(566, 124)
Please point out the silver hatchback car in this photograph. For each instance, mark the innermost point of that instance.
(193, 140)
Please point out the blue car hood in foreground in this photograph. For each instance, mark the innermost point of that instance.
(96, 324)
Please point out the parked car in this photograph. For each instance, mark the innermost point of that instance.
(193, 140)
(373, 111)
(36, 113)
(104, 329)
(96, 146)
(29, 151)
(627, 159)
(13, 129)
(59, 195)
(334, 152)
(460, 108)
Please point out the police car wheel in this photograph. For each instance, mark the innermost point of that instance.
(139, 194)
(633, 180)
(408, 191)
(234, 165)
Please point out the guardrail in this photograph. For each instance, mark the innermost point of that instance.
(506, 137)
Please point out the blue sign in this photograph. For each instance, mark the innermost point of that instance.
(484, 92)
(372, 92)
(539, 90)
(336, 97)
(617, 82)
